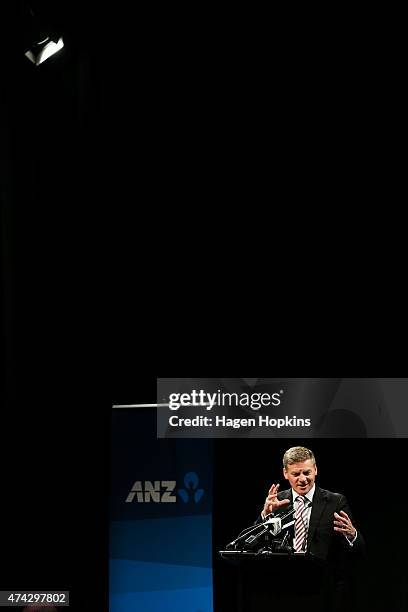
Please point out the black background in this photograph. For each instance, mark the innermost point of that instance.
(109, 149)
(56, 284)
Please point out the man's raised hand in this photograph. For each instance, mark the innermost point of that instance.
(272, 503)
(344, 525)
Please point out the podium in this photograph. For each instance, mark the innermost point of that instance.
(267, 581)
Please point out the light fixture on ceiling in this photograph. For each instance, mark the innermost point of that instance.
(43, 49)
(43, 41)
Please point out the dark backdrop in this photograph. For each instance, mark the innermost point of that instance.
(99, 146)
(371, 475)
(55, 390)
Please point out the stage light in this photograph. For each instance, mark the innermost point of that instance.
(43, 49)
(42, 39)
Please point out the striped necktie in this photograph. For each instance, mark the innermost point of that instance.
(300, 524)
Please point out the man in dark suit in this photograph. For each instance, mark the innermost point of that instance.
(323, 522)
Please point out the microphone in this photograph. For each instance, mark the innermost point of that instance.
(285, 540)
(275, 525)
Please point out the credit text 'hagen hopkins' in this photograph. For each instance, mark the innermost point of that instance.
(263, 421)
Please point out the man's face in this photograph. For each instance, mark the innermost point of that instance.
(301, 476)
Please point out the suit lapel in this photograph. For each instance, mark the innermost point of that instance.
(285, 495)
(284, 509)
(319, 503)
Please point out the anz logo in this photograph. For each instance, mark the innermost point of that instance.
(146, 491)
(163, 491)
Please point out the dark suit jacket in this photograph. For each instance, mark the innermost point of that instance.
(322, 540)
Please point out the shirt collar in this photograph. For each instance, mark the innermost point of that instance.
(308, 495)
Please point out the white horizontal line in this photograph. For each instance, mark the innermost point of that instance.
(153, 405)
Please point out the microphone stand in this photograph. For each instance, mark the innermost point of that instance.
(246, 533)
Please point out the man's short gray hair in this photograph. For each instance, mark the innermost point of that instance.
(297, 454)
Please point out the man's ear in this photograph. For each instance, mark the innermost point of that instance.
(285, 474)
(316, 470)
